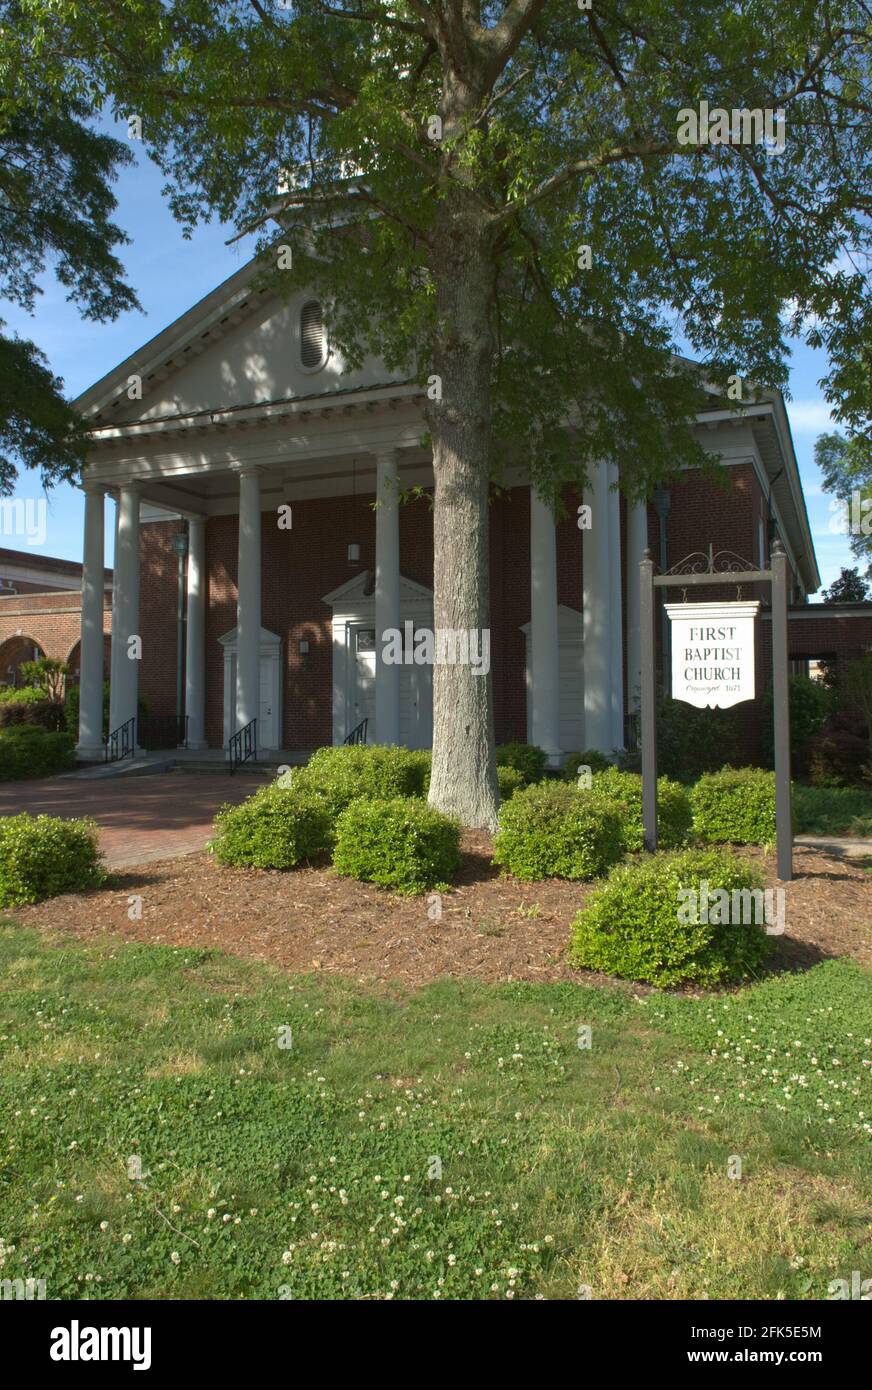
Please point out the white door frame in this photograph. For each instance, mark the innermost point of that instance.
(353, 607)
(271, 648)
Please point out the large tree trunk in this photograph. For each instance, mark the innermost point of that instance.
(463, 780)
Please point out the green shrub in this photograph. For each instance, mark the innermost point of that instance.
(639, 923)
(674, 813)
(22, 694)
(399, 843)
(840, 758)
(735, 806)
(27, 751)
(341, 775)
(43, 714)
(71, 709)
(810, 704)
(552, 830)
(832, 811)
(509, 780)
(588, 757)
(692, 741)
(526, 758)
(42, 856)
(419, 760)
(276, 828)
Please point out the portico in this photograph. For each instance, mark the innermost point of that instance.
(258, 656)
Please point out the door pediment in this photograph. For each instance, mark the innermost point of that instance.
(357, 596)
(268, 640)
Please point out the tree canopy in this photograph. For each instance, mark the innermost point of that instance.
(505, 200)
(846, 465)
(56, 205)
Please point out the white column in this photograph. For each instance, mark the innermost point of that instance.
(90, 744)
(248, 601)
(637, 543)
(617, 624)
(596, 578)
(195, 634)
(114, 641)
(387, 597)
(544, 638)
(125, 661)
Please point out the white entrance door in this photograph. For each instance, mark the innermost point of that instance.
(362, 700)
(266, 720)
(269, 714)
(355, 657)
(416, 706)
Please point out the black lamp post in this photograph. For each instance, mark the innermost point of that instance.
(661, 498)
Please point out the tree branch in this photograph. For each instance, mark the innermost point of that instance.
(499, 43)
(372, 17)
(646, 149)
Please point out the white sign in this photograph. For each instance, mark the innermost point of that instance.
(712, 652)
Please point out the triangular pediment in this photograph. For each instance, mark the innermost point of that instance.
(267, 638)
(238, 348)
(570, 624)
(359, 590)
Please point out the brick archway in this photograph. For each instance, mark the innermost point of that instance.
(74, 655)
(13, 652)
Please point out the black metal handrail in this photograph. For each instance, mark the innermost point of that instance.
(242, 745)
(121, 742)
(357, 735)
(157, 731)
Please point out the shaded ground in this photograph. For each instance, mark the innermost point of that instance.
(491, 928)
(141, 818)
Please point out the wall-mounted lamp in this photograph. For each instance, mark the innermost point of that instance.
(304, 647)
(354, 554)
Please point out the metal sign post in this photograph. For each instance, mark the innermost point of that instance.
(692, 572)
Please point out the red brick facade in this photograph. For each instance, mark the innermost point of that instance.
(300, 565)
(50, 621)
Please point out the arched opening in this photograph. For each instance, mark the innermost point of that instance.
(13, 653)
(74, 660)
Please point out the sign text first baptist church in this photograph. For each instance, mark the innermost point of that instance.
(712, 652)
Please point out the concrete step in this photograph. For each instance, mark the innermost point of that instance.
(124, 767)
(249, 769)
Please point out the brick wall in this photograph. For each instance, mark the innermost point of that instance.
(52, 621)
(158, 600)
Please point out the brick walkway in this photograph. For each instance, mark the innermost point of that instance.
(159, 816)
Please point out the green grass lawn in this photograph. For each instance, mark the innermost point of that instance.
(832, 810)
(314, 1170)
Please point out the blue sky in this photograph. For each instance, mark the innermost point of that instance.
(169, 274)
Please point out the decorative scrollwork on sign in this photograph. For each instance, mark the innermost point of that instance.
(707, 562)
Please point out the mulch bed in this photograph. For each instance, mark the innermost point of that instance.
(311, 919)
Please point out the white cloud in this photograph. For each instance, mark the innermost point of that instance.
(810, 417)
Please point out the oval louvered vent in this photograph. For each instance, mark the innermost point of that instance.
(311, 334)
